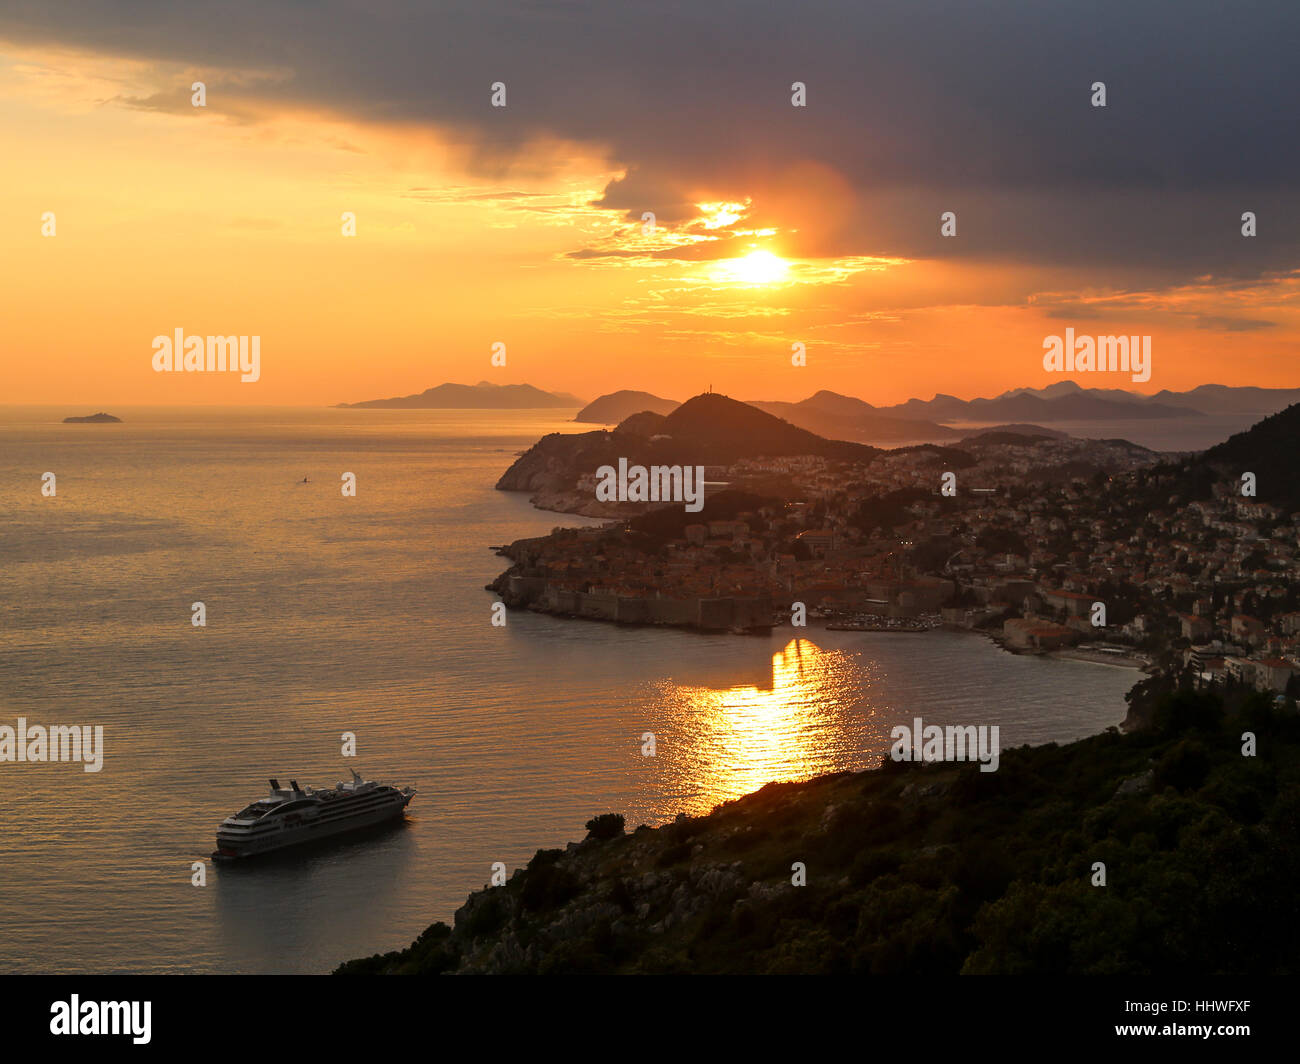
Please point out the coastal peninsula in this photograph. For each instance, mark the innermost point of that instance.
(1102, 549)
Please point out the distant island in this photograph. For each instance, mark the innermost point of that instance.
(93, 419)
(843, 417)
(481, 396)
(618, 406)
(1068, 401)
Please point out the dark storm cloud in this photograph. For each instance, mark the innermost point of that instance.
(922, 107)
(632, 192)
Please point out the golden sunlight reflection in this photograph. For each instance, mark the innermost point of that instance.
(808, 722)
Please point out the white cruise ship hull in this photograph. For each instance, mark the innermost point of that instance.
(235, 841)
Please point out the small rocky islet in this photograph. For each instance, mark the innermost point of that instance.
(93, 419)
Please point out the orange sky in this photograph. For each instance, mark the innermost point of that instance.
(227, 220)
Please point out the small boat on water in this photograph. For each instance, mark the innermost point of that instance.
(293, 815)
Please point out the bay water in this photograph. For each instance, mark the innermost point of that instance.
(328, 615)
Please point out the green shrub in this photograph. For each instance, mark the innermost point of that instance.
(605, 826)
(488, 916)
(548, 887)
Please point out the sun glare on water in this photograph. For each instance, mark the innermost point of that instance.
(793, 720)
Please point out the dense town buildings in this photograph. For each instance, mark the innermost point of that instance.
(1030, 543)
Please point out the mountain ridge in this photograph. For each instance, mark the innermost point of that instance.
(828, 413)
(481, 396)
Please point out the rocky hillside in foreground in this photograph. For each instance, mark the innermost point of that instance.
(935, 869)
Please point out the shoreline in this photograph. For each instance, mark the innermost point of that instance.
(1131, 661)
(636, 611)
(533, 604)
(1100, 657)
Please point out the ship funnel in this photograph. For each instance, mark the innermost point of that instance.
(275, 785)
(294, 785)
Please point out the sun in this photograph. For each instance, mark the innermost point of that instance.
(758, 267)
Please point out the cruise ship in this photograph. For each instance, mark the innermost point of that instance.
(293, 815)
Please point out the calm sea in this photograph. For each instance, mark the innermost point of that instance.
(328, 615)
